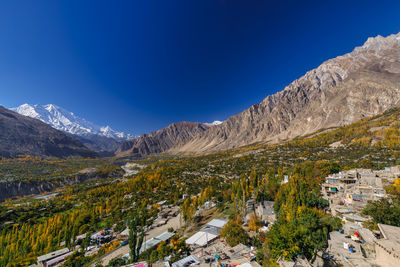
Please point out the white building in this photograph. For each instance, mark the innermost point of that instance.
(207, 234)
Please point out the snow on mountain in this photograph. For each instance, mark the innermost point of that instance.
(66, 121)
(214, 123)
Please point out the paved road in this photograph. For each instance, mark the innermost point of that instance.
(174, 223)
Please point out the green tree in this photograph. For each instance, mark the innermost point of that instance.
(302, 227)
(234, 233)
(116, 262)
(154, 256)
(385, 211)
(306, 234)
(77, 259)
(137, 223)
(67, 237)
(86, 241)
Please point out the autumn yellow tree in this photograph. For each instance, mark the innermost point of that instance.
(254, 223)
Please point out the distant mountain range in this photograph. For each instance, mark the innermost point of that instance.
(106, 140)
(21, 135)
(97, 138)
(340, 91)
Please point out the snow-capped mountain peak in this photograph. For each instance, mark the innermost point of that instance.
(214, 123)
(67, 121)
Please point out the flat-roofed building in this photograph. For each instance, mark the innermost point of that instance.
(265, 211)
(219, 223)
(207, 234)
(388, 247)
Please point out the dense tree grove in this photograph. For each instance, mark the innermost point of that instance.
(302, 226)
(23, 242)
(88, 211)
(191, 204)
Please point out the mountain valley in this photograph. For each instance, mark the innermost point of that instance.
(102, 197)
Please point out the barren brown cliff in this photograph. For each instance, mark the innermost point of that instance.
(162, 140)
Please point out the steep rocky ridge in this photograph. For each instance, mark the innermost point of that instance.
(162, 140)
(21, 135)
(342, 90)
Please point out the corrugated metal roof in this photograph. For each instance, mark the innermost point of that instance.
(188, 261)
(200, 239)
(165, 236)
(217, 223)
(211, 229)
(58, 259)
(156, 240)
(53, 254)
(149, 244)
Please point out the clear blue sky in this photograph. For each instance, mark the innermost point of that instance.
(141, 65)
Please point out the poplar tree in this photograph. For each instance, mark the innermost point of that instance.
(136, 233)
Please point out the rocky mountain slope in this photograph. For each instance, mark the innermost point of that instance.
(23, 135)
(162, 140)
(342, 90)
(98, 138)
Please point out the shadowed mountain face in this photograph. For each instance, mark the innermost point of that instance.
(162, 140)
(21, 135)
(342, 90)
